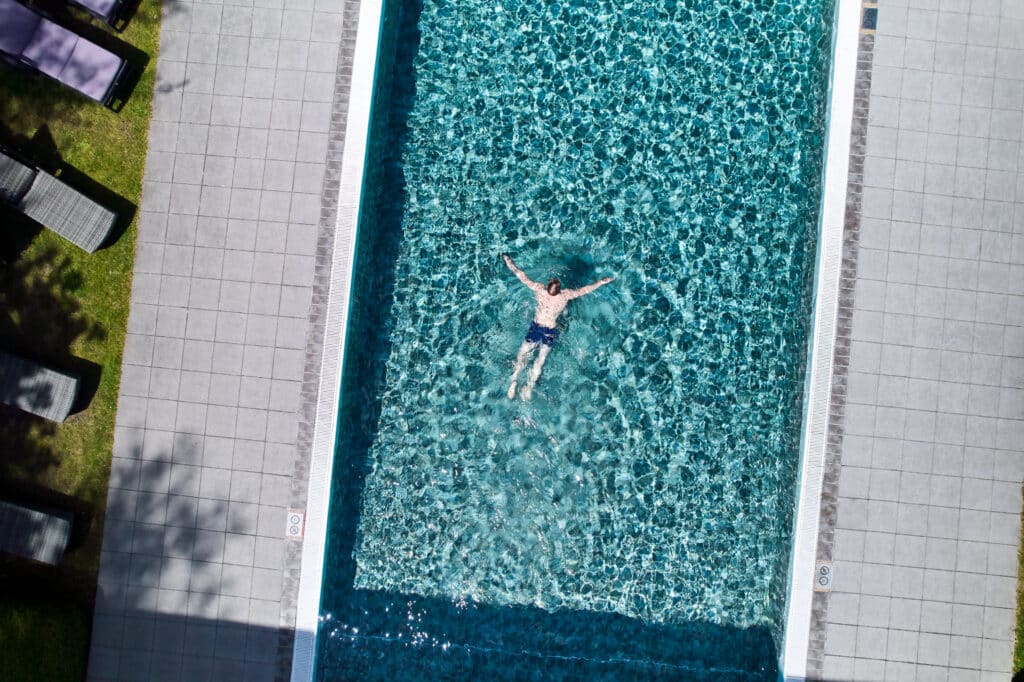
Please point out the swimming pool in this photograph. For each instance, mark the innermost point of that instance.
(634, 518)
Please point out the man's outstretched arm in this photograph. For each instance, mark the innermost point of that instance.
(520, 274)
(583, 291)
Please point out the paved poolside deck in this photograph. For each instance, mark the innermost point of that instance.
(922, 496)
(219, 382)
(220, 372)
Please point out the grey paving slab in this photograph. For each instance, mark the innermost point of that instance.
(192, 580)
(925, 392)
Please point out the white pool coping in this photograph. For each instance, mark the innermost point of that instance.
(350, 193)
(822, 342)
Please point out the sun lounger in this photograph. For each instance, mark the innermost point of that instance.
(30, 40)
(109, 11)
(38, 390)
(51, 203)
(34, 534)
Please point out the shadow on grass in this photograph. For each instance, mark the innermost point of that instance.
(42, 637)
(27, 100)
(40, 319)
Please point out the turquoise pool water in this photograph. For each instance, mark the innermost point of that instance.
(634, 518)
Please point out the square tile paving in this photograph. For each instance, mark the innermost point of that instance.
(221, 358)
(927, 420)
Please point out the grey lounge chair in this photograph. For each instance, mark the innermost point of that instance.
(50, 202)
(29, 39)
(110, 11)
(38, 390)
(34, 534)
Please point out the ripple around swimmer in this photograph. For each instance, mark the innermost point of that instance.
(675, 145)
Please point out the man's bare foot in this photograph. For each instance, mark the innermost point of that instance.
(526, 392)
(511, 391)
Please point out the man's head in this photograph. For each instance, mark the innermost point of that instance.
(554, 286)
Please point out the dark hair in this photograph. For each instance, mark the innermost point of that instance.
(555, 285)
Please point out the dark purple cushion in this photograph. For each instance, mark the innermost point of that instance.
(50, 48)
(17, 26)
(91, 70)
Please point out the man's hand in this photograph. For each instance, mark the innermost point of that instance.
(605, 280)
(520, 275)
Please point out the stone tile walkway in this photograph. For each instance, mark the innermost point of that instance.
(193, 569)
(929, 421)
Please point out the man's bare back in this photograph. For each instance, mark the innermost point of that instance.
(549, 307)
(551, 303)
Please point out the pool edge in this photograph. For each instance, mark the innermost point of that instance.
(797, 631)
(324, 442)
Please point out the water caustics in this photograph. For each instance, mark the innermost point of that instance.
(676, 146)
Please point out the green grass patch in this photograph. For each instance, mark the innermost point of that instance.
(34, 634)
(68, 309)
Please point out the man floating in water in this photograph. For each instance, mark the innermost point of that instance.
(551, 302)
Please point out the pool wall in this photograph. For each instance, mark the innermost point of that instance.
(822, 341)
(350, 197)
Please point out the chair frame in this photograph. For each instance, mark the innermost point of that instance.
(115, 20)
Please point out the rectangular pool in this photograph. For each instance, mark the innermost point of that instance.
(635, 517)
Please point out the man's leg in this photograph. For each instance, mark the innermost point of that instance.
(521, 359)
(538, 365)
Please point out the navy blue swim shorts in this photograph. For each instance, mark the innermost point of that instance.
(539, 334)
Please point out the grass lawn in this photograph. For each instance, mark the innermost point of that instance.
(68, 309)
